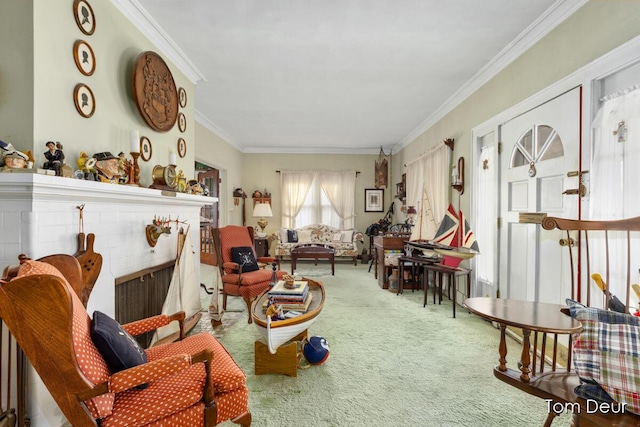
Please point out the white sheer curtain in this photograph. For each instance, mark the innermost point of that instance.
(614, 177)
(340, 189)
(615, 158)
(295, 186)
(432, 171)
(486, 229)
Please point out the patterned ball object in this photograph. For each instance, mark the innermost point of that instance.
(316, 350)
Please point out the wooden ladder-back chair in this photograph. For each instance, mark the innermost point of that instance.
(190, 382)
(604, 356)
(236, 282)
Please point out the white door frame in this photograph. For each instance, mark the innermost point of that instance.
(619, 58)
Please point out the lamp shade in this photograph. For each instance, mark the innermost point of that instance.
(262, 210)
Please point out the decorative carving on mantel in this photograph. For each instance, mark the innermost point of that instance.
(154, 92)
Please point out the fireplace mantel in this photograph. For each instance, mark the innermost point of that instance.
(39, 216)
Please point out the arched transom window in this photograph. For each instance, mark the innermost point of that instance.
(537, 144)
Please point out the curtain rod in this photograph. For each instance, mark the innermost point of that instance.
(429, 151)
(357, 172)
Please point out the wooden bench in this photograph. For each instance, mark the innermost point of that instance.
(544, 368)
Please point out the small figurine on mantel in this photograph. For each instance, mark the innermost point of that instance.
(107, 167)
(182, 182)
(14, 160)
(55, 157)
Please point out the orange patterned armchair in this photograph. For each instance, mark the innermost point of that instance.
(191, 382)
(238, 280)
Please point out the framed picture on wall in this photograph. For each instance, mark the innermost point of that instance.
(84, 58)
(145, 149)
(85, 19)
(374, 200)
(84, 100)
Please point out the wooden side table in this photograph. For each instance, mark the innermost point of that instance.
(261, 246)
(452, 274)
(313, 251)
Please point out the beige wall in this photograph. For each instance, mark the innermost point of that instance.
(592, 31)
(260, 174)
(37, 95)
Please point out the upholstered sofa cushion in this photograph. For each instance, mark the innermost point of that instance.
(343, 241)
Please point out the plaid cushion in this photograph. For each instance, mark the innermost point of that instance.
(607, 353)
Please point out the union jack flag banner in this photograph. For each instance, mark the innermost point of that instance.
(468, 238)
(449, 231)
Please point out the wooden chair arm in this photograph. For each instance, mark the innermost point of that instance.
(152, 323)
(148, 372)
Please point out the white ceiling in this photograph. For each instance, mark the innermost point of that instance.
(337, 76)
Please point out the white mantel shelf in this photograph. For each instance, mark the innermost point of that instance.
(33, 186)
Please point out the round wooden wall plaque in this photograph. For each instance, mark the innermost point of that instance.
(154, 92)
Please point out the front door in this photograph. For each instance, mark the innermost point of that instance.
(540, 150)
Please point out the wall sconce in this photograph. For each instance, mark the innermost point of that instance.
(157, 228)
(457, 176)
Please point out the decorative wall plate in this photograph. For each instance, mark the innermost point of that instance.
(84, 100)
(182, 147)
(154, 92)
(182, 122)
(145, 148)
(84, 16)
(182, 97)
(83, 55)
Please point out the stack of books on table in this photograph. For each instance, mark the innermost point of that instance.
(296, 298)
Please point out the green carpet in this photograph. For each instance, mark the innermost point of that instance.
(392, 362)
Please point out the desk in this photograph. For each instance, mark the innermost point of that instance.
(527, 315)
(313, 251)
(381, 244)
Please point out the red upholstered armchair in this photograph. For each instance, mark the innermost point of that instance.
(236, 282)
(191, 382)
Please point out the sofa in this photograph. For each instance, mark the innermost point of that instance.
(344, 242)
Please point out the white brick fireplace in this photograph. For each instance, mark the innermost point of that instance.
(39, 216)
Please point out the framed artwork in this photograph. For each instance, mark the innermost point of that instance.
(373, 200)
(182, 122)
(83, 55)
(182, 97)
(85, 19)
(84, 100)
(145, 149)
(182, 147)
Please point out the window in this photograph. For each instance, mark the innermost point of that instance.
(317, 209)
(536, 145)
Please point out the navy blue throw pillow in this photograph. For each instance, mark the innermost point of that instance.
(244, 257)
(292, 236)
(118, 348)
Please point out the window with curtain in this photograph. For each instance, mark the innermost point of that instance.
(317, 209)
(318, 197)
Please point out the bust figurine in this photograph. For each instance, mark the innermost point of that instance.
(55, 157)
(15, 160)
(107, 167)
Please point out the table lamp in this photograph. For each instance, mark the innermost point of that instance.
(262, 211)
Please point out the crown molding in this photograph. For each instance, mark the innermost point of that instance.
(211, 126)
(554, 16)
(139, 17)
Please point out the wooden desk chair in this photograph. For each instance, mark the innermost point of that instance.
(191, 382)
(236, 280)
(611, 249)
